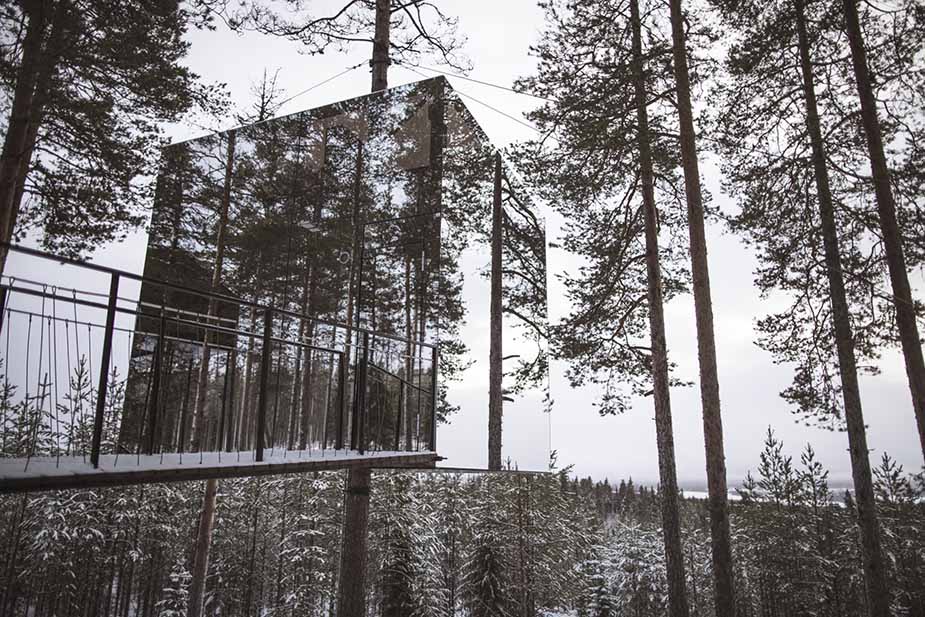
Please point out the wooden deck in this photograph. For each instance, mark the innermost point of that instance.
(70, 472)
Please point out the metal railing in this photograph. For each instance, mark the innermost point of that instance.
(186, 353)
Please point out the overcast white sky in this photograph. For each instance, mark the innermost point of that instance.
(500, 34)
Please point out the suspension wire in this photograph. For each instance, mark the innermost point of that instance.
(480, 102)
(408, 65)
(321, 83)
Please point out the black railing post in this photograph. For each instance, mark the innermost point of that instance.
(155, 386)
(104, 371)
(361, 396)
(341, 400)
(3, 291)
(229, 438)
(398, 414)
(262, 393)
(433, 399)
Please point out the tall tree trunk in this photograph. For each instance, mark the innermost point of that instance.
(201, 554)
(33, 79)
(723, 575)
(207, 512)
(889, 227)
(380, 60)
(671, 525)
(351, 597)
(878, 594)
(495, 374)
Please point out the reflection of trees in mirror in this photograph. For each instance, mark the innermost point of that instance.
(360, 215)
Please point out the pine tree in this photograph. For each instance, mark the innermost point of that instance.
(70, 154)
(786, 31)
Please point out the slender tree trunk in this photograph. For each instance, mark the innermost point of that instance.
(33, 79)
(889, 226)
(495, 374)
(15, 147)
(207, 513)
(723, 575)
(671, 526)
(380, 61)
(351, 597)
(201, 555)
(878, 594)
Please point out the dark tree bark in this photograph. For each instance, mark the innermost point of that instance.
(723, 576)
(671, 525)
(207, 514)
(351, 596)
(495, 374)
(380, 60)
(201, 554)
(889, 227)
(877, 591)
(27, 110)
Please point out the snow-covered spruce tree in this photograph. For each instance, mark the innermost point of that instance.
(903, 518)
(486, 569)
(176, 593)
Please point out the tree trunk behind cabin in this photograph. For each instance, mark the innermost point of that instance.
(204, 537)
(351, 596)
(495, 370)
(723, 574)
(24, 113)
(380, 60)
(671, 525)
(201, 554)
(877, 591)
(889, 226)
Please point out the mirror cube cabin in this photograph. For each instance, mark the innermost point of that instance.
(371, 215)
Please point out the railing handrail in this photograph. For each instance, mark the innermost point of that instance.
(17, 248)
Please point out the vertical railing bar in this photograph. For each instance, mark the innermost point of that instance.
(398, 414)
(433, 399)
(104, 372)
(341, 400)
(155, 386)
(3, 291)
(229, 438)
(260, 428)
(361, 392)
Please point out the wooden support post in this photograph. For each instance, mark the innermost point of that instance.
(351, 596)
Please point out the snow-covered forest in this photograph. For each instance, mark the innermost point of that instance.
(807, 117)
(451, 544)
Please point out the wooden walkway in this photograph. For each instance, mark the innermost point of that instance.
(69, 472)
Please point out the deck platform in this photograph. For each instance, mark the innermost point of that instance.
(70, 472)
